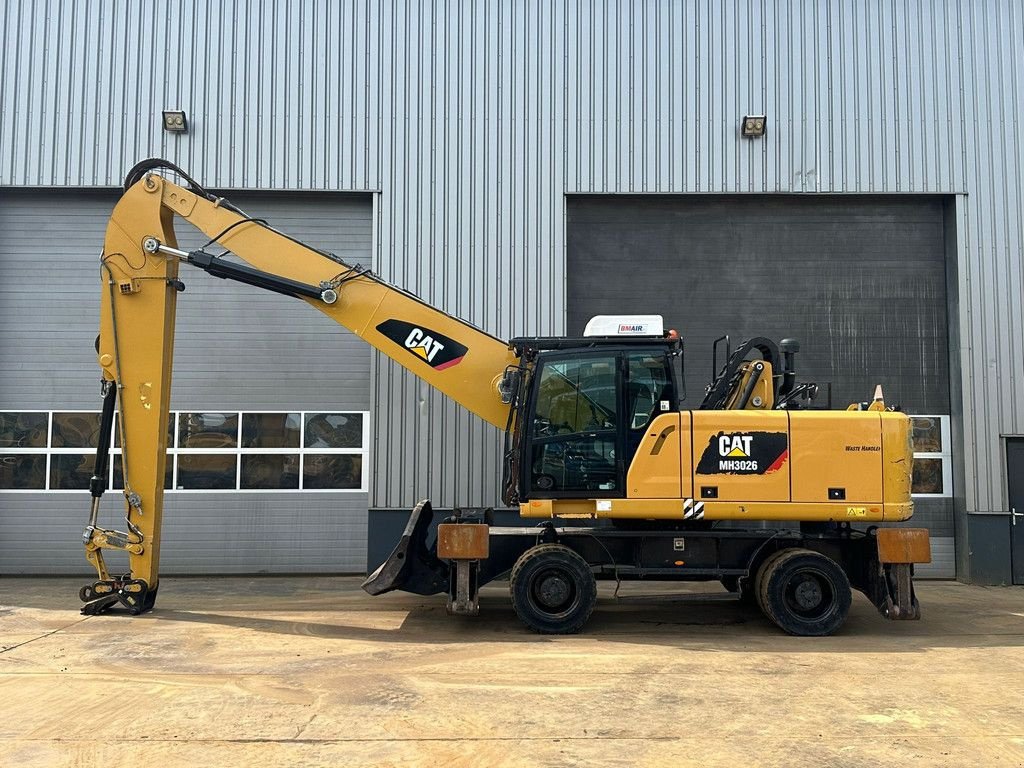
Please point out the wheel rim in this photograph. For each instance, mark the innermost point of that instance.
(810, 594)
(553, 591)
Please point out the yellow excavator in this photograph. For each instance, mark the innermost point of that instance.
(615, 478)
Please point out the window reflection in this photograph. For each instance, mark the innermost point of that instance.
(208, 430)
(332, 471)
(23, 472)
(270, 471)
(270, 430)
(927, 434)
(71, 471)
(207, 471)
(576, 396)
(927, 476)
(23, 430)
(647, 386)
(585, 464)
(334, 430)
(75, 430)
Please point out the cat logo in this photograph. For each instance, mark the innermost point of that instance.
(420, 344)
(433, 348)
(734, 446)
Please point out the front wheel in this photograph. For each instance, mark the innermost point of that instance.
(553, 589)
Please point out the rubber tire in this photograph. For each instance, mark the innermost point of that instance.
(774, 578)
(763, 569)
(531, 564)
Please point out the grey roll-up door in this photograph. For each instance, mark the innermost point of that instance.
(859, 281)
(238, 348)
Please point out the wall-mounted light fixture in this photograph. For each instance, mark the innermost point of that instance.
(753, 126)
(175, 121)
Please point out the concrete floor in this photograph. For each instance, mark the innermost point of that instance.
(311, 671)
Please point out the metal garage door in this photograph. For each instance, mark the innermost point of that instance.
(859, 281)
(238, 349)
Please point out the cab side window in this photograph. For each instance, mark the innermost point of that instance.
(647, 385)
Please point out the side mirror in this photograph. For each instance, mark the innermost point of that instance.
(508, 387)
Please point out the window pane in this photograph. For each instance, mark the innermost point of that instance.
(927, 434)
(209, 471)
(576, 464)
(332, 471)
(117, 430)
(927, 477)
(576, 396)
(270, 430)
(71, 471)
(273, 471)
(119, 475)
(648, 385)
(23, 430)
(208, 430)
(334, 430)
(75, 430)
(21, 471)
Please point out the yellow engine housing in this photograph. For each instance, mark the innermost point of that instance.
(852, 466)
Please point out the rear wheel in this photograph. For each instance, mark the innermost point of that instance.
(553, 589)
(804, 593)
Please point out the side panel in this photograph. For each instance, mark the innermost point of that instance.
(741, 455)
(655, 470)
(840, 450)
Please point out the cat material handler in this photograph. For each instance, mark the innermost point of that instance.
(613, 477)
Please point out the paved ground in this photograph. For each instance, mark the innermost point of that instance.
(310, 671)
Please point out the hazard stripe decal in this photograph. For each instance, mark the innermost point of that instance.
(693, 510)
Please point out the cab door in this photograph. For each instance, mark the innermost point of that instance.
(654, 428)
(575, 435)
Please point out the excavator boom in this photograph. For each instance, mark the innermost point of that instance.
(139, 271)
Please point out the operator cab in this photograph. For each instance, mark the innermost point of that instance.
(584, 406)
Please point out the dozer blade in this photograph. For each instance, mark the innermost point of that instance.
(412, 566)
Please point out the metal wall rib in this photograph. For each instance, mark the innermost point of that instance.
(475, 119)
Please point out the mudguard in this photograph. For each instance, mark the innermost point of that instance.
(412, 566)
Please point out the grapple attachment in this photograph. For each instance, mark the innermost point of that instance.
(413, 566)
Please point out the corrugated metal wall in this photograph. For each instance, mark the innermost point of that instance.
(237, 347)
(475, 120)
(240, 344)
